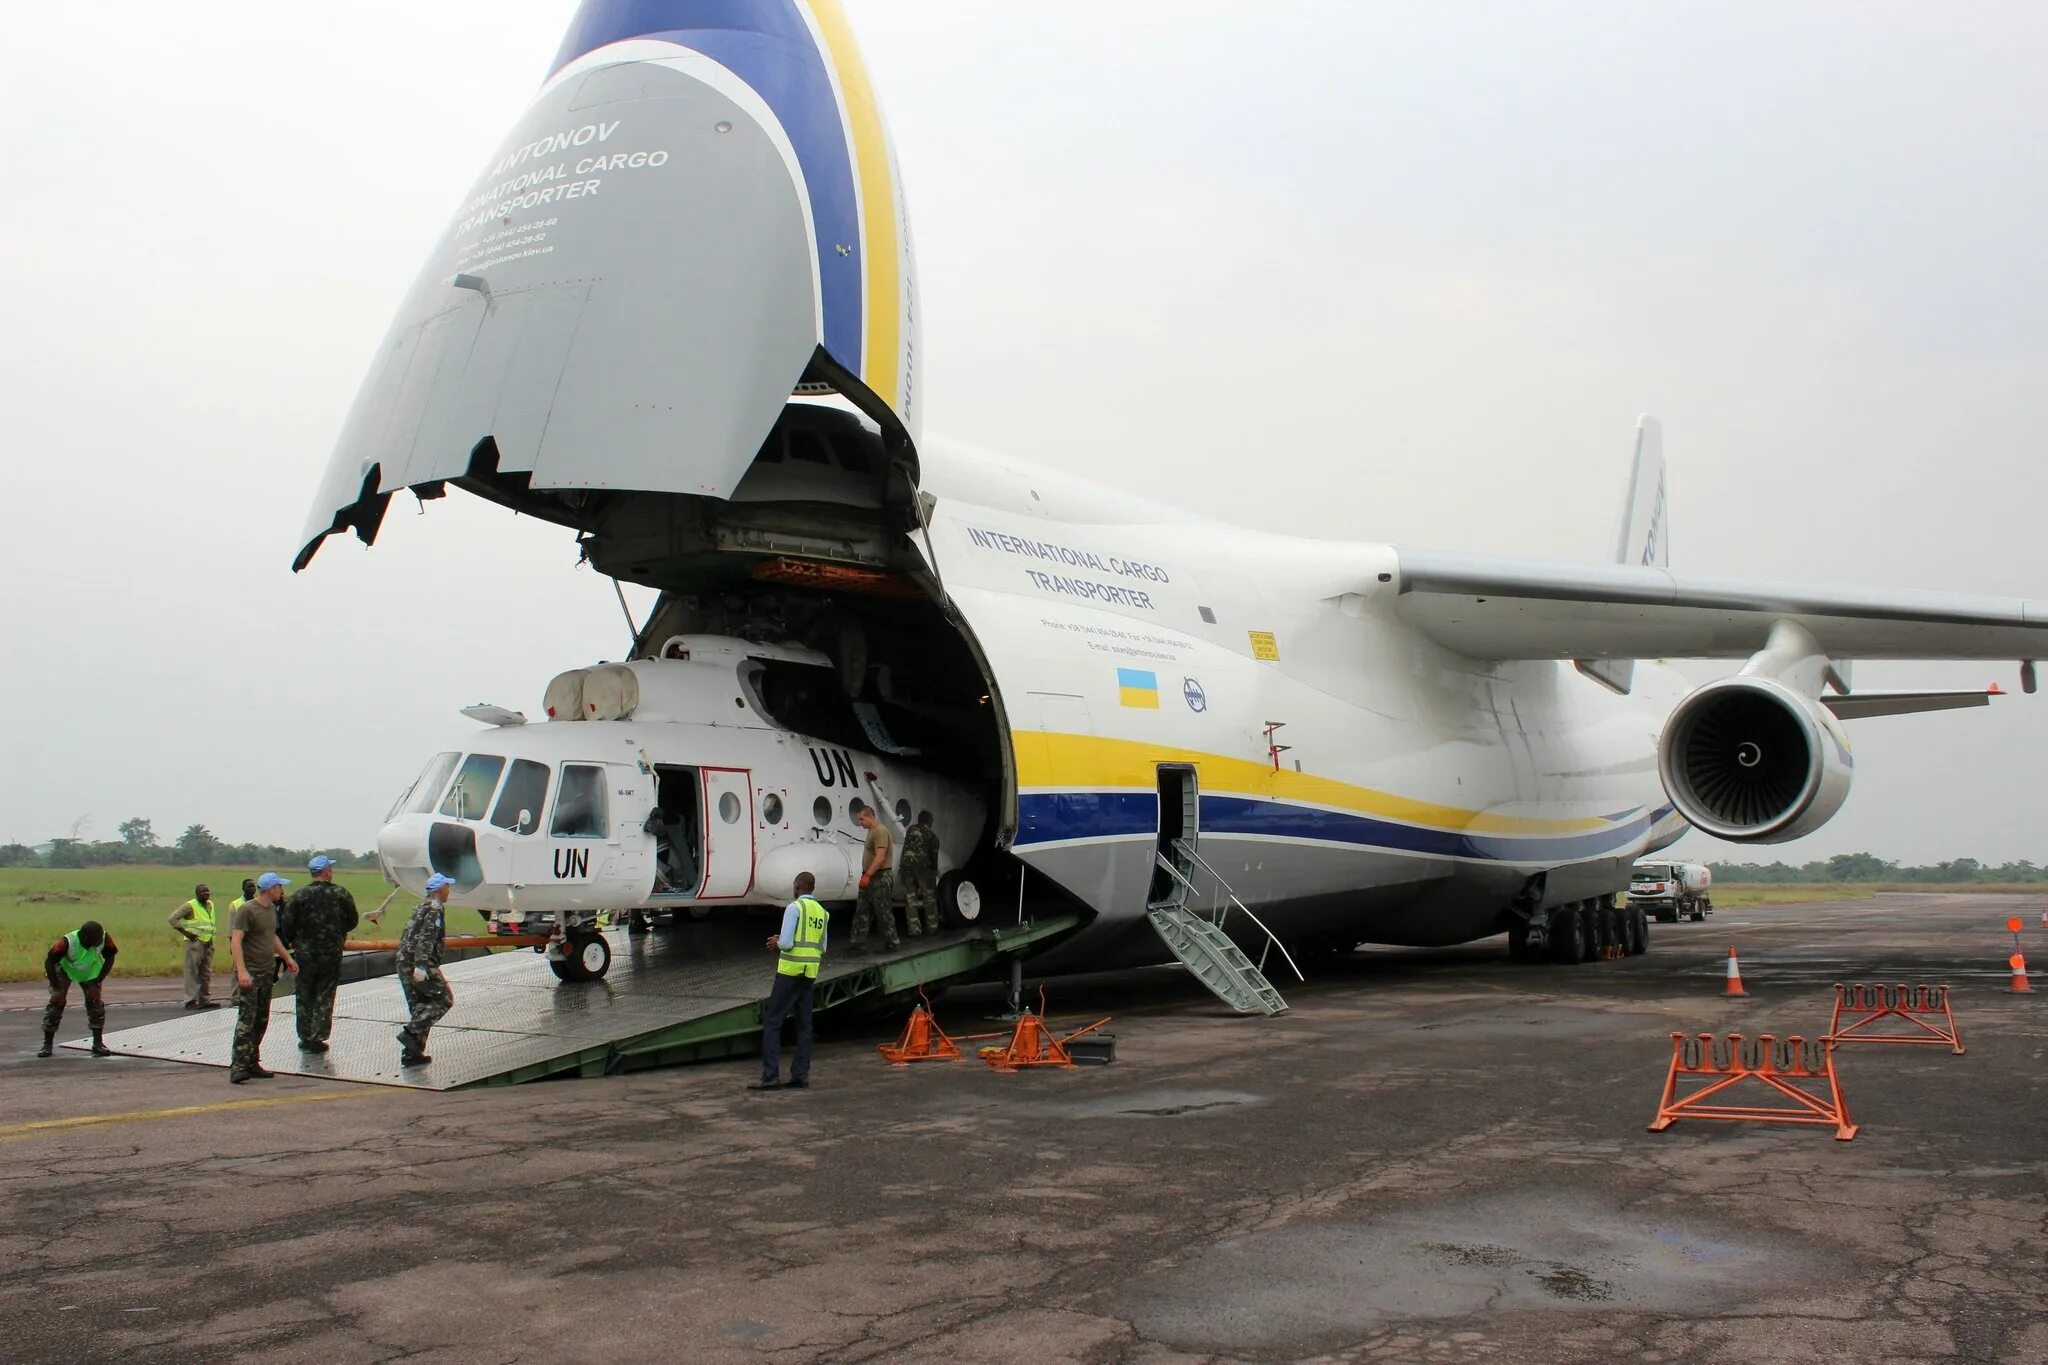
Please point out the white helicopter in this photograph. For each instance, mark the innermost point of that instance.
(705, 777)
(677, 312)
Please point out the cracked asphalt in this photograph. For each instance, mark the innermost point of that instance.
(1435, 1156)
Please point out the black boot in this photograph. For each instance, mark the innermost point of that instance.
(49, 1045)
(99, 1045)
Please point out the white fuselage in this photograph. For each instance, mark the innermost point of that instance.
(1354, 777)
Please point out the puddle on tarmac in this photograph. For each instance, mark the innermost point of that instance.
(1319, 1284)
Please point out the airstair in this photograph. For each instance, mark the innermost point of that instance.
(1199, 939)
(692, 993)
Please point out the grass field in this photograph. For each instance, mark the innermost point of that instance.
(38, 904)
(1735, 897)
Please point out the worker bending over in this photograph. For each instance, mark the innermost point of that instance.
(84, 955)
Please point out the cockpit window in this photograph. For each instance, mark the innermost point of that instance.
(426, 788)
(526, 786)
(470, 796)
(580, 811)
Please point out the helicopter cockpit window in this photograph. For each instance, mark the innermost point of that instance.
(470, 797)
(580, 811)
(526, 786)
(433, 779)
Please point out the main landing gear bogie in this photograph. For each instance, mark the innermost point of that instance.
(1583, 931)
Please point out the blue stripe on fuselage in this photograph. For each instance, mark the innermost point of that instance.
(1047, 817)
(766, 44)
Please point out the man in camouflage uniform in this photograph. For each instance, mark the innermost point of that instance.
(84, 955)
(427, 994)
(919, 868)
(877, 885)
(316, 922)
(257, 952)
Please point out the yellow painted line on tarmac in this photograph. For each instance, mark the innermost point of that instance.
(182, 1111)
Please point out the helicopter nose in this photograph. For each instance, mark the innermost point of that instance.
(402, 848)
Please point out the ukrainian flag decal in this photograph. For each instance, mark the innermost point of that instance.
(1138, 687)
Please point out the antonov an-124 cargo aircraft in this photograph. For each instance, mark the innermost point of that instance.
(677, 312)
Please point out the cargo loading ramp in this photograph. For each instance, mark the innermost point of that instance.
(690, 994)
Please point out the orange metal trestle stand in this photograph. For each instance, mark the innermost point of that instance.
(1925, 1008)
(1801, 1072)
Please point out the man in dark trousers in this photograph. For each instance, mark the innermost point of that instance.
(252, 939)
(800, 951)
(84, 955)
(427, 993)
(919, 868)
(877, 885)
(315, 923)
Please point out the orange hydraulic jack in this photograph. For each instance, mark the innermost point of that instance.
(1794, 1069)
(1926, 1008)
(922, 1040)
(1031, 1045)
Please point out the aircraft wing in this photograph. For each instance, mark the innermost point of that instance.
(1490, 607)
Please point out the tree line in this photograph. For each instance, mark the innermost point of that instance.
(1868, 867)
(198, 846)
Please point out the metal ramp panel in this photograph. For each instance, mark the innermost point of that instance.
(690, 994)
(1215, 959)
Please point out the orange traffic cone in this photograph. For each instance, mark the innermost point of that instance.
(2019, 973)
(1734, 974)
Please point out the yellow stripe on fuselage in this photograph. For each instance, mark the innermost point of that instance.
(882, 262)
(1094, 762)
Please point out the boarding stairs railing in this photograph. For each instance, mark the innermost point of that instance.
(1198, 938)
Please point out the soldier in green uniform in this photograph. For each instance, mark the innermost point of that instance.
(195, 921)
(248, 894)
(877, 885)
(316, 922)
(84, 955)
(427, 993)
(919, 868)
(252, 939)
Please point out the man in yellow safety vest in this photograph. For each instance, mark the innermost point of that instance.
(799, 952)
(85, 955)
(194, 920)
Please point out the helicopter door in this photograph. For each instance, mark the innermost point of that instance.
(728, 816)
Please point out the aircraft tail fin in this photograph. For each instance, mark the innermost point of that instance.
(1644, 538)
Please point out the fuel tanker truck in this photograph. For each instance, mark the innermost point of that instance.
(1672, 891)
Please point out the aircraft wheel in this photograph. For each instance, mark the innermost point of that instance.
(959, 899)
(563, 970)
(1567, 934)
(1638, 933)
(586, 957)
(1592, 935)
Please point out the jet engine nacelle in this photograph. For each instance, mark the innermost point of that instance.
(1750, 760)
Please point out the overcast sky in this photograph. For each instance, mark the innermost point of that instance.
(1387, 272)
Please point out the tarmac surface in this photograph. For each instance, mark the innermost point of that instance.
(1435, 1156)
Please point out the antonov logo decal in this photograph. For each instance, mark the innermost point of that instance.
(834, 766)
(572, 864)
(1197, 699)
